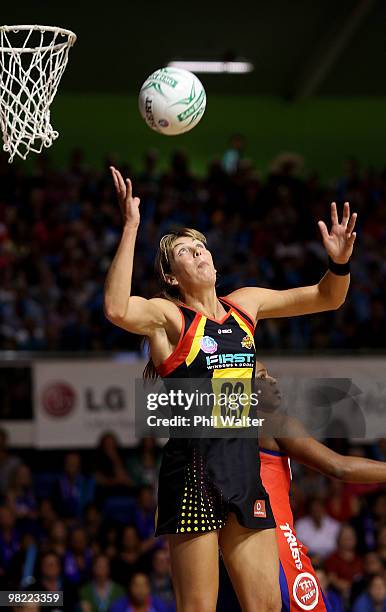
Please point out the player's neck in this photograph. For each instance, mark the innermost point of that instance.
(205, 301)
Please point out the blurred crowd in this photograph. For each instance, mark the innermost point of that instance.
(343, 526)
(59, 231)
(86, 524)
(86, 527)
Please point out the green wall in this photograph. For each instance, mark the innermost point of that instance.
(325, 130)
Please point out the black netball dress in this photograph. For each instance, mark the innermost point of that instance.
(202, 479)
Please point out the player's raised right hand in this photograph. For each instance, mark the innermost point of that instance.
(129, 206)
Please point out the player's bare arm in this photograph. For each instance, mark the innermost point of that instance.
(156, 318)
(305, 449)
(328, 294)
(294, 440)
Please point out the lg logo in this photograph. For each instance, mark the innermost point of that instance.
(112, 398)
(59, 399)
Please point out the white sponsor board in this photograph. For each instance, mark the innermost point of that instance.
(76, 402)
(362, 410)
(328, 366)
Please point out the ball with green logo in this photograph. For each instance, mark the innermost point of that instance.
(172, 101)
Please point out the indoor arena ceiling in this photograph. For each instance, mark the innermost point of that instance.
(298, 47)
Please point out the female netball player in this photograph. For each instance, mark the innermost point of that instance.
(300, 588)
(299, 584)
(208, 491)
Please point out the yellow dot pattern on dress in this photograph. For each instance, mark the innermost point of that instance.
(202, 507)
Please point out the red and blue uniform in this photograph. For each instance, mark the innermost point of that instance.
(300, 588)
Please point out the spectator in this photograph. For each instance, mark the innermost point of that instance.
(144, 462)
(144, 516)
(340, 504)
(381, 544)
(374, 599)
(129, 558)
(111, 476)
(100, 593)
(93, 521)
(8, 463)
(9, 537)
(73, 490)
(57, 540)
(344, 565)
(108, 539)
(20, 573)
(77, 560)
(139, 597)
(47, 516)
(368, 522)
(233, 154)
(317, 530)
(372, 566)
(21, 496)
(311, 483)
(333, 599)
(160, 579)
(50, 578)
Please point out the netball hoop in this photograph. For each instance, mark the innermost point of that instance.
(32, 61)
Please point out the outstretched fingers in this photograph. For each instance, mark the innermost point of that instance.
(121, 182)
(346, 214)
(351, 224)
(118, 182)
(115, 179)
(123, 187)
(323, 229)
(334, 214)
(351, 238)
(129, 189)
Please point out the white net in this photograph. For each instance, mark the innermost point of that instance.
(32, 61)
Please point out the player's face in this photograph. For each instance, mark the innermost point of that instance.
(270, 392)
(192, 264)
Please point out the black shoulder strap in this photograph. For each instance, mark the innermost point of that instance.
(188, 315)
(239, 310)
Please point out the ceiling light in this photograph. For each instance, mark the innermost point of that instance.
(213, 67)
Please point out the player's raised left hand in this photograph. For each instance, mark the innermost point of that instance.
(340, 240)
